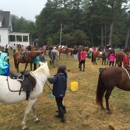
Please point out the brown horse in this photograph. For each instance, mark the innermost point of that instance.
(65, 51)
(109, 78)
(119, 58)
(26, 57)
(101, 55)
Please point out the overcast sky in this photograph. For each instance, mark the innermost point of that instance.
(23, 8)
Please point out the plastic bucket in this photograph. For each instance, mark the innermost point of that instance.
(100, 69)
(74, 86)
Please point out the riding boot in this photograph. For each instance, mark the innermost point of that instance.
(64, 109)
(58, 115)
(62, 114)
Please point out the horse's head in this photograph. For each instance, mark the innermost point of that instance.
(43, 69)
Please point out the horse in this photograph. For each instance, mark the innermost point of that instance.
(119, 58)
(10, 91)
(54, 56)
(26, 57)
(109, 78)
(101, 55)
(65, 51)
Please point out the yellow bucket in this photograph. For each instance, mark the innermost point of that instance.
(74, 86)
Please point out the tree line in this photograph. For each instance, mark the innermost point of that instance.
(79, 22)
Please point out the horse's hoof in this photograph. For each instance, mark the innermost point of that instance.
(37, 121)
(111, 127)
(109, 112)
(102, 108)
(25, 128)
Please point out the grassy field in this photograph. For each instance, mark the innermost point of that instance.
(82, 111)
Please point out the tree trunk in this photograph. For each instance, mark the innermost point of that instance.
(101, 35)
(105, 35)
(127, 37)
(111, 30)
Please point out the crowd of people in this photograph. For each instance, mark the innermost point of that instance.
(59, 80)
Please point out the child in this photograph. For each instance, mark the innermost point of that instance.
(4, 65)
(42, 58)
(59, 82)
(35, 61)
(111, 59)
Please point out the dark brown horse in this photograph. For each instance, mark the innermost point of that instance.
(26, 57)
(65, 51)
(119, 58)
(102, 55)
(109, 78)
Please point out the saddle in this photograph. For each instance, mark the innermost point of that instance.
(28, 82)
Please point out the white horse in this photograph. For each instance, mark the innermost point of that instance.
(10, 97)
(54, 55)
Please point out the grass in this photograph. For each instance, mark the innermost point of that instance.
(82, 111)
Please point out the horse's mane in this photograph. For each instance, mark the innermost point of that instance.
(42, 69)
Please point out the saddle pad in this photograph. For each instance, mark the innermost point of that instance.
(13, 84)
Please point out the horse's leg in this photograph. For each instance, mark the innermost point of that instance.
(34, 113)
(18, 67)
(28, 108)
(25, 66)
(31, 66)
(107, 95)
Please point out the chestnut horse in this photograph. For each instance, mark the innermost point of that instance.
(26, 57)
(109, 78)
(101, 55)
(119, 58)
(65, 51)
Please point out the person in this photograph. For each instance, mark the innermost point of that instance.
(82, 59)
(93, 49)
(79, 58)
(22, 48)
(42, 58)
(108, 46)
(29, 48)
(126, 61)
(6, 48)
(50, 56)
(59, 82)
(4, 65)
(111, 59)
(75, 51)
(35, 61)
(14, 48)
(66, 48)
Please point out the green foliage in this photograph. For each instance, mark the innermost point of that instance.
(88, 16)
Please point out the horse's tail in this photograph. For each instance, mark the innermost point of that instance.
(100, 90)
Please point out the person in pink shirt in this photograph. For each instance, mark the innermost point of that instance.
(111, 59)
(22, 48)
(82, 58)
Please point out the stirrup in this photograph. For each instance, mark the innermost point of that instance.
(20, 78)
